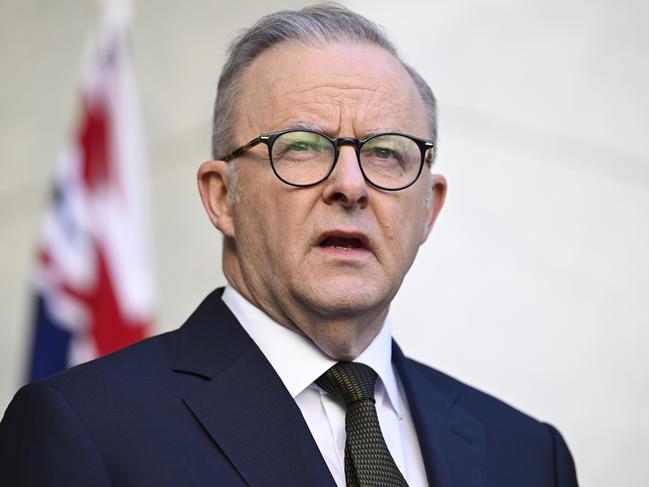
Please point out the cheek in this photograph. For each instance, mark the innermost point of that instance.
(272, 223)
(402, 229)
(393, 233)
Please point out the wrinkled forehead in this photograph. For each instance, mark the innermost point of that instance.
(349, 89)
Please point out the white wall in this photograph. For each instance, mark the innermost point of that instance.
(534, 285)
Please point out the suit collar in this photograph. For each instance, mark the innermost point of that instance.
(274, 340)
(210, 339)
(244, 405)
(268, 441)
(452, 442)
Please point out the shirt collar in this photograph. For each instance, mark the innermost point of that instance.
(297, 360)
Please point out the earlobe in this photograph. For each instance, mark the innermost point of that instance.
(213, 186)
(438, 196)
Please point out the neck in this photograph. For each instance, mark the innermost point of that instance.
(342, 336)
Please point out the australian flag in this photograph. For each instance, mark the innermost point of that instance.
(94, 281)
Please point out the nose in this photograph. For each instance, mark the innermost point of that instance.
(346, 185)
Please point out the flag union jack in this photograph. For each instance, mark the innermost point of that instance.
(94, 279)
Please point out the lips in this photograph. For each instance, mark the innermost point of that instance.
(342, 243)
(343, 240)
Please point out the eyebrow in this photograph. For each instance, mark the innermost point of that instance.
(303, 125)
(379, 131)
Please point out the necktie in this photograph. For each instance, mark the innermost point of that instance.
(368, 461)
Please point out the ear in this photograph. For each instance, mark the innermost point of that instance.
(437, 201)
(213, 187)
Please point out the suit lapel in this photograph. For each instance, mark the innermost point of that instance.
(244, 405)
(452, 442)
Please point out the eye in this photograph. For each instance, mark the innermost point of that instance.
(301, 145)
(383, 152)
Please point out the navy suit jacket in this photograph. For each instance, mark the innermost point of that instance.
(202, 406)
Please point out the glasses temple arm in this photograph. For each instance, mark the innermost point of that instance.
(242, 149)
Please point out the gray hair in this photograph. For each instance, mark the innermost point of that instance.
(309, 26)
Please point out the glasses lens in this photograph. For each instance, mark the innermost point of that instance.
(391, 161)
(302, 157)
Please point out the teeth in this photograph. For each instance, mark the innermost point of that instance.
(341, 243)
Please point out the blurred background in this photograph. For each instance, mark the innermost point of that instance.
(534, 285)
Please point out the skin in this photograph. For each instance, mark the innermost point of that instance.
(337, 298)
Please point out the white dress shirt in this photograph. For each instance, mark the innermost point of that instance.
(299, 362)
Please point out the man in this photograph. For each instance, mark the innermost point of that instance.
(321, 185)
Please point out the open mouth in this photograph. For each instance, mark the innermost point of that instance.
(342, 243)
(345, 242)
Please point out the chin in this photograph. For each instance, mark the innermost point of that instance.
(346, 298)
(341, 341)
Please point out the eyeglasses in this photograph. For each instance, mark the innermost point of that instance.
(390, 161)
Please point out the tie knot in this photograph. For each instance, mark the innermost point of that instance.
(349, 382)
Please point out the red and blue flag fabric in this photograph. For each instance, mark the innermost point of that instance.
(94, 281)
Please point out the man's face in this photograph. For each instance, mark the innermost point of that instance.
(327, 259)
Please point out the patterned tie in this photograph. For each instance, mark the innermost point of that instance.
(368, 461)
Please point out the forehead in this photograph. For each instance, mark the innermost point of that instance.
(350, 89)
